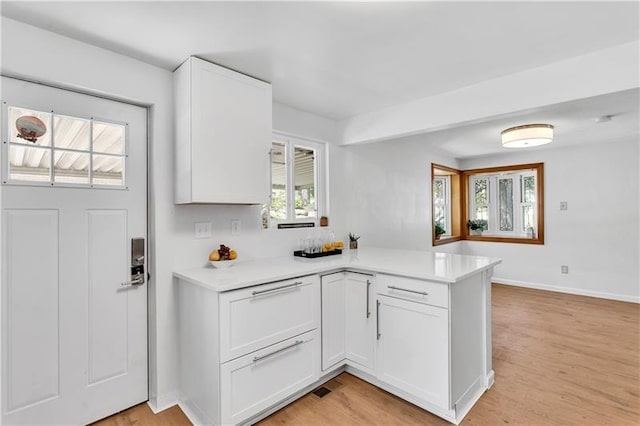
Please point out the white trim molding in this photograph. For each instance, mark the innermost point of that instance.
(156, 405)
(568, 290)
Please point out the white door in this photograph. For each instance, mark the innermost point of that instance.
(413, 349)
(74, 339)
(360, 314)
(333, 320)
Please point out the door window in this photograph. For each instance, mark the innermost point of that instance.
(60, 150)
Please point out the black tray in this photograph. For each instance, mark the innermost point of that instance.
(300, 253)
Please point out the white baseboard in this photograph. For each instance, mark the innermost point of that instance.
(569, 290)
(194, 415)
(157, 407)
(490, 379)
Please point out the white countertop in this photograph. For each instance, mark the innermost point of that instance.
(428, 265)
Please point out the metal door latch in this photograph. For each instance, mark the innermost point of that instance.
(137, 280)
(137, 263)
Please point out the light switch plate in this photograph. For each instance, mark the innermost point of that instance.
(564, 269)
(564, 205)
(236, 227)
(203, 230)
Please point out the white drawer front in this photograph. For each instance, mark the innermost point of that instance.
(259, 380)
(256, 317)
(427, 292)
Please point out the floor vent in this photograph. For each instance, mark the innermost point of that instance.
(321, 392)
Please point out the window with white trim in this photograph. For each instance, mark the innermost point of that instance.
(446, 204)
(507, 201)
(47, 148)
(297, 180)
(442, 202)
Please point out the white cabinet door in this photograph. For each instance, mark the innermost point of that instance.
(360, 318)
(259, 380)
(412, 351)
(256, 317)
(224, 127)
(333, 319)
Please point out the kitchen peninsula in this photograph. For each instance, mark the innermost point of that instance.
(256, 336)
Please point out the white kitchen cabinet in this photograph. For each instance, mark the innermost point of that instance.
(333, 320)
(360, 320)
(244, 350)
(223, 135)
(413, 349)
(430, 341)
(261, 379)
(248, 349)
(256, 317)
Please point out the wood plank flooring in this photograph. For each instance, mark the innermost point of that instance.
(559, 360)
(141, 415)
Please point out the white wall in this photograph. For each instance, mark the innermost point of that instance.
(382, 191)
(597, 237)
(65, 62)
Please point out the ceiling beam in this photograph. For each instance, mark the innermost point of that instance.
(597, 73)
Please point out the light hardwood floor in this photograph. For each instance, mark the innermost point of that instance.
(141, 415)
(559, 360)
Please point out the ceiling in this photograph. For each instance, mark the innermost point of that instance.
(575, 124)
(341, 59)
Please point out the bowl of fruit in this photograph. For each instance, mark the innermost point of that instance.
(223, 257)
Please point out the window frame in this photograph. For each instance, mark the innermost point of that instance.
(454, 204)
(447, 203)
(536, 169)
(52, 149)
(473, 204)
(522, 203)
(291, 142)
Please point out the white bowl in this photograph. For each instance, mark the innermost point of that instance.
(222, 264)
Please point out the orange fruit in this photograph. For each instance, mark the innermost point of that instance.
(233, 255)
(214, 256)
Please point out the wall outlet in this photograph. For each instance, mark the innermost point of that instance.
(564, 205)
(203, 230)
(235, 227)
(564, 269)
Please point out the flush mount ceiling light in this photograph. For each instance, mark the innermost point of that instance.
(527, 135)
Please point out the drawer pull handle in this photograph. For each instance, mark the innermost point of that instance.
(293, 345)
(378, 320)
(257, 292)
(368, 311)
(422, 293)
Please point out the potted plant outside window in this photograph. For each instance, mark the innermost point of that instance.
(477, 226)
(439, 230)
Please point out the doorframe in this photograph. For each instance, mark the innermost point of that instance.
(151, 305)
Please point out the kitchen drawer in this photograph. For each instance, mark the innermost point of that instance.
(427, 292)
(256, 317)
(259, 380)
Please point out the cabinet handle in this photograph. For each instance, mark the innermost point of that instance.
(423, 293)
(257, 292)
(368, 311)
(293, 345)
(378, 320)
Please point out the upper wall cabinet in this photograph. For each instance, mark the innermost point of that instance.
(223, 135)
